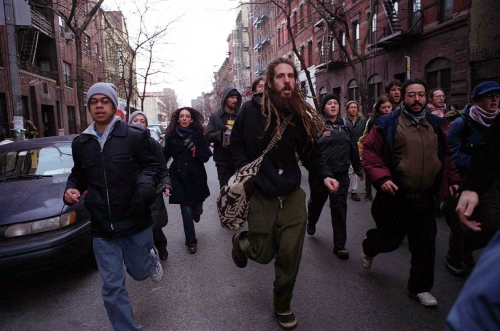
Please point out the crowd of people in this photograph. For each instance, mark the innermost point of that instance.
(413, 149)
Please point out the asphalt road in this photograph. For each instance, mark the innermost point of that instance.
(206, 291)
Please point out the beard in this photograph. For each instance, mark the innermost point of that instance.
(409, 106)
(286, 104)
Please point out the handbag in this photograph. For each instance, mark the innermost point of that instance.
(234, 197)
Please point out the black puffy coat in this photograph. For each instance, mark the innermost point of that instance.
(187, 171)
(120, 179)
(158, 210)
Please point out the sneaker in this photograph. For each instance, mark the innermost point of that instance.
(157, 273)
(311, 229)
(192, 249)
(287, 321)
(455, 267)
(239, 257)
(163, 254)
(341, 252)
(469, 261)
(366, 261)
(425, 298)
(355, 197)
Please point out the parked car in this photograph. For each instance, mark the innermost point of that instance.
(37, 230)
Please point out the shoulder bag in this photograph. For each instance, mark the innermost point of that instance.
(234, 197)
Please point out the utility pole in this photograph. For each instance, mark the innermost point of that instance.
(10, 27)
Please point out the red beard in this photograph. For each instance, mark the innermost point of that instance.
(285, 105)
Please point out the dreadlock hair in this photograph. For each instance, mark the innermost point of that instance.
(309, 116)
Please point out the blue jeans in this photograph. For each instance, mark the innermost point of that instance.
(135, 251)
(188, 214)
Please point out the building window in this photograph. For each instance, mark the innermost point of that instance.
(331, 49)
(4, 120)
(301, 17)
(294, 22)
(438, 75)
(62, 26)
(353, 91)
(373, 34)
(302, 50)
(374, 90)
(86, 42)
(309, 54)
(71, 120)
(279, 37)
(355, 32)
(68, 81)
(96, 49)
(320, 52)
(445, 10)
(416, 10)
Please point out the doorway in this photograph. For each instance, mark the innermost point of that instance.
(48, 119)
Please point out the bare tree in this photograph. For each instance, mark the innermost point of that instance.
(354, 50)
(139, 43)
(285, 6)
(77, 15)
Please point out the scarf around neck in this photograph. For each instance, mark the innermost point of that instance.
(438, 111)
(481, 116)
(414, 118)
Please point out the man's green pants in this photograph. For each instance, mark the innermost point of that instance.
(277, 227)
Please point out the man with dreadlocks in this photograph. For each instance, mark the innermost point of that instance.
(277, 213)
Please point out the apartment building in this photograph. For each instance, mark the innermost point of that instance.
(46, 59)
(450, 44)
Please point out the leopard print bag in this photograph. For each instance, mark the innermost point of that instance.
(234, 197)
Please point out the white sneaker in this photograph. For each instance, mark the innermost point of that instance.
(157, 273)
(425, 298)
(366, 261)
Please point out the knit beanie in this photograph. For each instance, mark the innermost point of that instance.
(137, 112)
(352, 101)
(233, 93)
(484, 88)
(326, 98)
(107, 89)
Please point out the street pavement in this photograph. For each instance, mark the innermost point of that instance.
(206, 291)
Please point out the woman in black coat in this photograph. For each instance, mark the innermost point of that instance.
(186, 145)
(158, 211)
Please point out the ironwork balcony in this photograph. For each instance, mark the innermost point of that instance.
(41, 23)
(26, 66)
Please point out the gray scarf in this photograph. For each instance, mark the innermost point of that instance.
(415, 118)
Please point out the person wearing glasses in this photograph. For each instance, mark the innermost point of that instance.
(407, 158)
(114, 162)
(436, 102)
(465, 133)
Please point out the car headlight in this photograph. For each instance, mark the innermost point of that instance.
(47, 224)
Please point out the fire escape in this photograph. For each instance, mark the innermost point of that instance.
(31, 38)
(260, 45)
(399, 31)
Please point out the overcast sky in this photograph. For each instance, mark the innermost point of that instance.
(197, 43)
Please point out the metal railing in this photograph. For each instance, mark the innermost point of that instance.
(26, 66)
(41, 23)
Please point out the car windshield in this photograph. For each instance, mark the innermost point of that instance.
(45, 161)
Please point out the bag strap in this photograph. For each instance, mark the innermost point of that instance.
(280, 131)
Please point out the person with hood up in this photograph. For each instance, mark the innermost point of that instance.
(186, 145)
(115, 163)
(339, 149)
(220, 126)
(158, 210)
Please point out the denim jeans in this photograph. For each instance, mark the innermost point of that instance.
(135, 251)
(188, 214)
